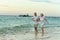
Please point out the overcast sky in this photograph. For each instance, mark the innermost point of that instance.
(15, 7)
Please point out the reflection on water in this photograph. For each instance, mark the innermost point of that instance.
(36, 35)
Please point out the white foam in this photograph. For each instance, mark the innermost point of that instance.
(31, 36)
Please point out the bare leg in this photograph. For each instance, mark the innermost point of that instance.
(36, 31)
(42, 31)
(35, 27)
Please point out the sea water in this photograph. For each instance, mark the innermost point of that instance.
(12, 24)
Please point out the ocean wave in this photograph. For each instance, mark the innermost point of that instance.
(15, 29)
(22, 28)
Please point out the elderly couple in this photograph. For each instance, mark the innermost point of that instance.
(41, 20)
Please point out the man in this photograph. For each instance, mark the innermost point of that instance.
(36, 21)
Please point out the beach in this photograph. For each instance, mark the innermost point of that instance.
(51, 34)
(21, 28)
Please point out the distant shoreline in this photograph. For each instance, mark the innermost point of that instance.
(24, 15)
(31, 16)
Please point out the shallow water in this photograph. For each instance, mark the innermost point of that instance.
(14, 25)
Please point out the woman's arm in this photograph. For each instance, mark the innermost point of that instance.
(46, 20)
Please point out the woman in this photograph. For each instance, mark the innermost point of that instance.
(43, 21)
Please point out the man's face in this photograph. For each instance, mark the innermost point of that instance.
(35, 14)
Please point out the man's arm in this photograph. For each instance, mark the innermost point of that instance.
(38, 19)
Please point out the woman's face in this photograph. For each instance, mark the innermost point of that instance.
(41, 15)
